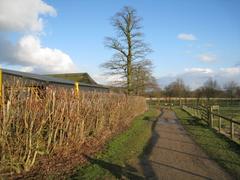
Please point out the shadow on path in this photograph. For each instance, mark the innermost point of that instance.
(145, 164)
(117, 171)
(181, 170)
(170, 153)
(127, 171)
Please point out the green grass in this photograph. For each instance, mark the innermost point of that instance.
(230, 111)
(220, 148)
(111, 163)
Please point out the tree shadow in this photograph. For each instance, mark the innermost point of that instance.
(145, 164)
(127, 171)
(181, 170)
(117, 171)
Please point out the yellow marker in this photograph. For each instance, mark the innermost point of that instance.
(1, 78)
(76, 88)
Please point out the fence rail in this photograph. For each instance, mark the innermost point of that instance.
(207, 114)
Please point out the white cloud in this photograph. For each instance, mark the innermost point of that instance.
(207, 57)
(199, 70)
(23, 15)
(231, 70)
(108, 80)
(42, 59)
(27, 69)
(30, 54)
(186, 37)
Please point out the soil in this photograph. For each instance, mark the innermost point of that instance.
(172, 154)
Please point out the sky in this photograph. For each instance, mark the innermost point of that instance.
(192, 40)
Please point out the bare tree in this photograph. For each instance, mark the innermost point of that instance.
(142, 79)
(210, 88)
(177, 89)
(231, 89)
(128, 46)
(198, 93)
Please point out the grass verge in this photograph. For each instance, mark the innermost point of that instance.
(111, 163)
(220, 148)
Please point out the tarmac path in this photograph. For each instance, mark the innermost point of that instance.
(172, 154)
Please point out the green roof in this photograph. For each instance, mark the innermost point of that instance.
(77, 77)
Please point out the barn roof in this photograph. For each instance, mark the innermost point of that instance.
(48, 79)
(77, 77)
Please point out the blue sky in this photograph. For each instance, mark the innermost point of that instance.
(187, 36)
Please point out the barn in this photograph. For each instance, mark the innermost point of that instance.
(43, 81)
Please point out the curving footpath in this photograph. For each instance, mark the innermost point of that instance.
(172, 154)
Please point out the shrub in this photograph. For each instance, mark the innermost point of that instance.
(35, 122)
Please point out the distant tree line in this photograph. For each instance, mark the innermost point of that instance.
(210, 89)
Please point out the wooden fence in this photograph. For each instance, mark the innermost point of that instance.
(225, 125)
(175, 101)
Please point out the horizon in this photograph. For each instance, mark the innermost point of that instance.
(193, 41)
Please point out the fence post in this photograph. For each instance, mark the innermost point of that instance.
(200, 115)
(1, 80)
(210, 117)
(232, 130)
(199, 112)
(76, 89)
(219, 124)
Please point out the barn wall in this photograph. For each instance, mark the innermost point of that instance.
(10, 80)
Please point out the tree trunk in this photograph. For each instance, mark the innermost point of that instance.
(129, 56)
(129, 76)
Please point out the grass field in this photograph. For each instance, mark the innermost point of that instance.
(224, 151)
(229, 112)
(111, 163)
(232, 111)
(227, 108)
